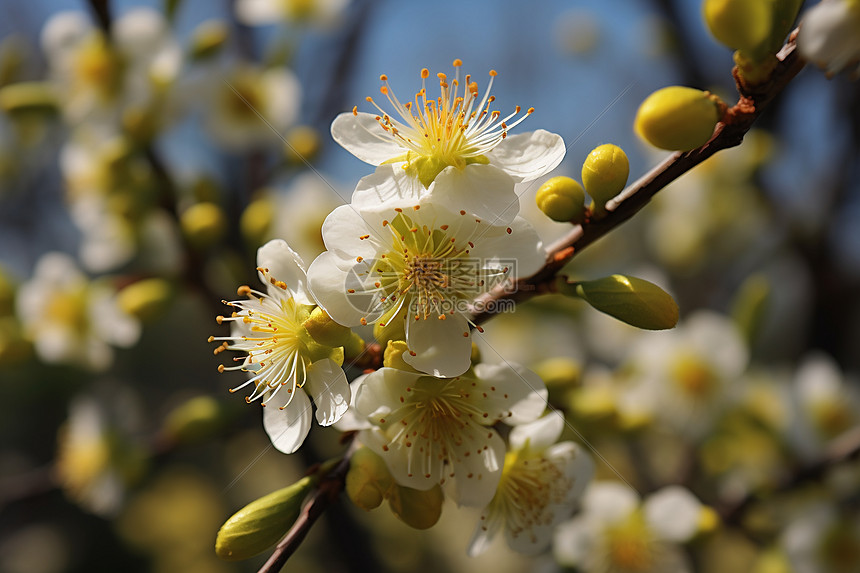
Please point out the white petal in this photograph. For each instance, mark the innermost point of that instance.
(140, 32)
(717, 338)
(259, 12)
(476, 477)
(576, 464)
(352, 418)
(282, 94)
(342, 229)
(329, 285)
(482, 537)
(63, 32)
(609, 502)
(521, 250)
(360, 135)
(574, 542)
(440, 346)
(527, 156)
(673, 513)
(540, 434)
(481, 190)
(327, 384)
(531, 541)
(381, 391)
(109, 322)
(285, 265)
(388, 187)
(521, 392)
(287, 428)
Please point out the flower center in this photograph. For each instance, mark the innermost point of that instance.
(694, 377)
(629, 546)
(457, 128)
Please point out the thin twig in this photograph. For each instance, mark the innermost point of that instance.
(101, 9)
(730, 132)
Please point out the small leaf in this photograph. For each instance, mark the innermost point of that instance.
(261, 523)
(629, 299)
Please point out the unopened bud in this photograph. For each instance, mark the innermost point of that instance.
(326, 331)
(203, 224)
(561, 199)
(261, 523)
(32, 98)
(208, 39)
(417, 508)
(302, 144)
(256, 221)
(194, 420)
(678, 118)
(559, 373)
(147, 299)
(629, 299)
(389, 326)
(739, 24)
(354, 347)
(393, 356)
(604, 172)
(368, 481)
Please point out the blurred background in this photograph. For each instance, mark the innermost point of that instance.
(135, 187)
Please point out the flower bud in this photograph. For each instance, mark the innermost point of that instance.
(203, 224)
(326, 331)
(389, 326)
(303, 143)
(194, 420)
(678, 118)
(208, 39)
(417, 508)
(261, 523)
(559, 373)
(37, 98)
(368, 481)
(738, 24)
(629, 299)
(604, 172)
(354, 347)
(147, 299)
(393, 356)
(256, 221)
(561, 199)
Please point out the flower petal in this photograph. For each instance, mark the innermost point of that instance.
(285, 265)
(540, 434)
(523, 250)
(609, 502)
(573, 542)
(362, 136)
(287, 428)
(477, 467)
(531, 541)
(387, 187)
(342, 231)
(481, 190)
(485, 531)
(441, 347)
(673, 513)
(527, 156)
(327, 384)
(521, 394)
(259, 12)
(329, 284)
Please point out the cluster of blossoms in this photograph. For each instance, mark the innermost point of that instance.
(433, 228)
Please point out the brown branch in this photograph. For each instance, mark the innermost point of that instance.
(326, 492)
(730, 132)
(101, 10)
(844, 448)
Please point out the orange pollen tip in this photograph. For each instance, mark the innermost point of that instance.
(444, 227)
(210, 339)
(465, 335)
(416, 207)
(441, 76)
(457, 63)
(493, 73)
(243, 290)
(363, 322)
(462, 212)
(481, 330)
(368, 99)
(518, 108)
(219, 319)
(398, 209)
(383, 78)
(221, 368)
(531, 110)
(384, 90)
(509, 230)
(425, 73)
(355, 110)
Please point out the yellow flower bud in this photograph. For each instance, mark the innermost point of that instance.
(203, 224)
(772, 561)
(678, 118)
(393, 356)
(303, 143)
(561, 199)
(208, 39)
(709, 520)
(146, 299)
(629, 299)
(193, 420)
(354, 347)
(559, 372)
(738, 24)
(256, 221)
(604, 172)
(368, 481)
(261, 523)
(389, 326)
(326, 331)
(416, 508)
(28, 97)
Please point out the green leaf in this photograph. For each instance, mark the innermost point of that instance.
(629, 299)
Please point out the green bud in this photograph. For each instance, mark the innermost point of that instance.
(193, 420)
(629, 299)
(354, 347)
(28, 98)
(368, 481)
(738, 24)
(256, 221)
(605, 172)
(678, 118)
(393, 356)
(146, 299)
(416, 508)
(208, 39)
(261, 523)
(750, 305)
(326, 331)
(303, 143)
(561, 199)
(203, 224)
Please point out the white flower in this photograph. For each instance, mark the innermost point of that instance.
(251, 105)
(322, 13)
(820, 538)
(439, 430)
(283, 361)
(615, 533)
(684, 377)
(71, 320)
(454, 148)
(418, 269)
(540, 485)
(829, 36)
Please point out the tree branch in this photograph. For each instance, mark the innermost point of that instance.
(730, 132)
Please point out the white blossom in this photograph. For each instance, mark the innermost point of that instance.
(829, 36)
